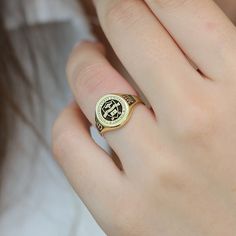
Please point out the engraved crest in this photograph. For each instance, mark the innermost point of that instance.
(111, 110)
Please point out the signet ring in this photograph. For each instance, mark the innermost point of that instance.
(114, 110)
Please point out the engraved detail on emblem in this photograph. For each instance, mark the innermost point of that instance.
(111, 110)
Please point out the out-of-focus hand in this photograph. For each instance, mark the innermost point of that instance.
(179, 160)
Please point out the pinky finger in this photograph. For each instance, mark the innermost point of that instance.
(90, 170)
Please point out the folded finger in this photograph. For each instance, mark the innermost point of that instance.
(91, 76)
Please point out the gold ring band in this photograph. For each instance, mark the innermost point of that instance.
(114, 110)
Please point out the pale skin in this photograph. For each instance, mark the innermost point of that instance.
(179, 159)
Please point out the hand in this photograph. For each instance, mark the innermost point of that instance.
(179, 160)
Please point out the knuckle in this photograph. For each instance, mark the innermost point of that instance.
(73, 61)
(84, 71)
(168, 175)
(172, 178)
(122, 11)
(90, 77)
(82, 52)
(196, 122)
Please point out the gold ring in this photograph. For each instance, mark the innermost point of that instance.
(114, 110)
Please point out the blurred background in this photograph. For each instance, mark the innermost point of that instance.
(36, 37)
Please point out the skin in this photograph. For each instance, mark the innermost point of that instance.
(229, 7)
(179, 160)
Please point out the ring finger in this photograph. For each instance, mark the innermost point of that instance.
(90, 77)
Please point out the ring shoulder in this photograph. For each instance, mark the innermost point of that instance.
(129, 99)
(99, 126)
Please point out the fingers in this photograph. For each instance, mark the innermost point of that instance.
(89, 169)
(203, 32)
(148, 52)
(90, 77)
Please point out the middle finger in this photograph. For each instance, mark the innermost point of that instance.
(148, 52)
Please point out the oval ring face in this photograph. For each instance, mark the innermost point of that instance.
(112, 110)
